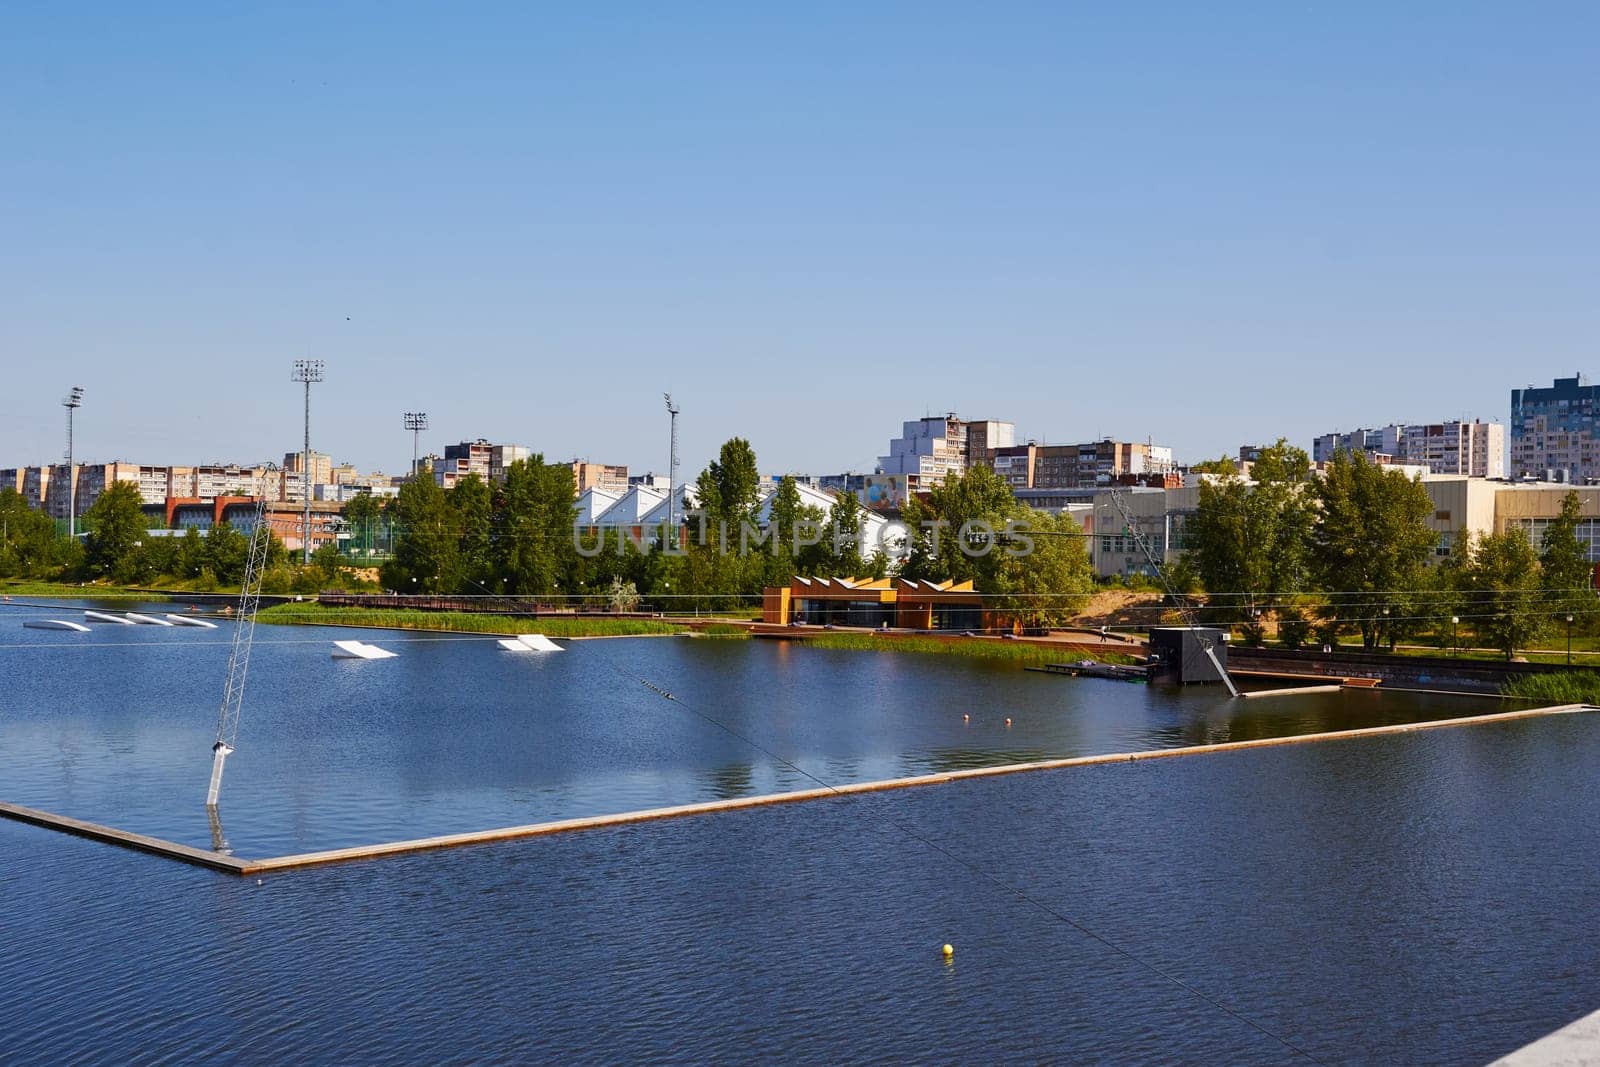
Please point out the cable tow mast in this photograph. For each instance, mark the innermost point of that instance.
(244, 632)
(1159, 567)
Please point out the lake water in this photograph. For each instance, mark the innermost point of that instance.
(1425, 898)
(455, 734)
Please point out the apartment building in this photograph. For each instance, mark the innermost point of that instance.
(1553, 432)
(1082, 466)
(929, 450)
(501, 457)
(488, 461)
(321, 466)
(1456, 446)
(607, 476)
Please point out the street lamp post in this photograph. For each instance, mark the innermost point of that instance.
(1569, 640)
(307, 371)
(73, 401)
(1388, 635)
(1455, 650)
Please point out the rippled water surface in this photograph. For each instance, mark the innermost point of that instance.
(455, 734)
(1423, 898)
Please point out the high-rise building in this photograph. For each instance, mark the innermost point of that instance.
(1476, 449)
(460, 460)
(1553, 432)
(321, 466)
(930, 450)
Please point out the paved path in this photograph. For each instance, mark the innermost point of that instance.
(1574, 1045)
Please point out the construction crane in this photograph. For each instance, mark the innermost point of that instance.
(244, 632)
(1185, 609)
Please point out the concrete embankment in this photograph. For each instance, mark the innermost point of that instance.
(1445, 673)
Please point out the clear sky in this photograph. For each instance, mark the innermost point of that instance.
(1206, 223)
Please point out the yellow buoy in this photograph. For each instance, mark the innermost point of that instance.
(948, 951)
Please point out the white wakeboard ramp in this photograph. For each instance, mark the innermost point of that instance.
(147, 620)
(55, 624)
(106, 616)
(190, 620)
(359, 650)
(529, 643)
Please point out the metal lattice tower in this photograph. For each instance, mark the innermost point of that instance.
(1190, 619)
(672, 476)
(244, 632)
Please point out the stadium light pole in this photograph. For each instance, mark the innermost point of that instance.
(416, 422)
(73, 401)
(672, 477)
(306, 371)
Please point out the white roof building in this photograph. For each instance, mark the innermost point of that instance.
(593, 503)
(631, 509)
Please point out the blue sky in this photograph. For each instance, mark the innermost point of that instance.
(1203, 223)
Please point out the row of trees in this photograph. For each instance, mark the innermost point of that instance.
(1347, 551)
(517, 539)
(119, 545)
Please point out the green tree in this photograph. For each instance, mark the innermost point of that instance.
(841, 554)
(1503, 591)
(363, 516)
(1249, 541)
(327, 565)
(226, 553)
(1222, 465)
(713, 569)
(954, 534)
(473, 503)
(29, 547)
(1052, 581)
(191, 554)
(116, 530)
(1370, 543)
(1564, 567)
(427, 551)
(160, 554)
(533, 525)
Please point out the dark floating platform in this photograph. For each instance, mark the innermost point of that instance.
(1120, 672)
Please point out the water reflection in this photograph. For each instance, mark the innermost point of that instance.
(455, 735)
(730, 781)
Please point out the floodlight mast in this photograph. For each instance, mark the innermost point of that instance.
(416, 422)
(672, 477)
(244, 631)
(72, 402)
(307, 371)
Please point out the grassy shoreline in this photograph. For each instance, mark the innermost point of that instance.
(74, 591)
(974, 648)
(310, 614)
